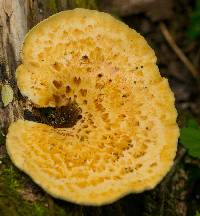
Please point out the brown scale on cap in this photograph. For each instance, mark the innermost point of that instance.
(125, 134)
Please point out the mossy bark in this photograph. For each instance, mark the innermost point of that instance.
(18, 194)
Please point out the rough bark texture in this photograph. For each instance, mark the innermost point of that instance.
(18, 194)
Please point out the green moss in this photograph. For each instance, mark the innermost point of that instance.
(13, 205)
(11, 202)
(11, 178)
(39, 209)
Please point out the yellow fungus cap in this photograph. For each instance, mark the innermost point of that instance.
(127, 138)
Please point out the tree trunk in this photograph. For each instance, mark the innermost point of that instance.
(18, 194)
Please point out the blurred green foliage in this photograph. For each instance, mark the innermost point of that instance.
(190, 138)
(193, 31)
(197, 214)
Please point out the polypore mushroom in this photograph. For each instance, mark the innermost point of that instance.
(127, 138)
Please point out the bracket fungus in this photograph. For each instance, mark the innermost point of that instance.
(125, 141)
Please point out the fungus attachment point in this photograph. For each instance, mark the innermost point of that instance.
(107, 123)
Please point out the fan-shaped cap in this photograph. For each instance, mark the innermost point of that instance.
(127, 138)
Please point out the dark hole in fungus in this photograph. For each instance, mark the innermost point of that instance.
(68, 89)
(83, 92)
(56, 66)
(79, 117)
(124, 95)
(59, 117)
(85, 57)
(77, 80)
(57, 84)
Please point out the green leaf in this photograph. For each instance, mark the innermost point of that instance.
(192, 123)
(190, 138)
(193, 30)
